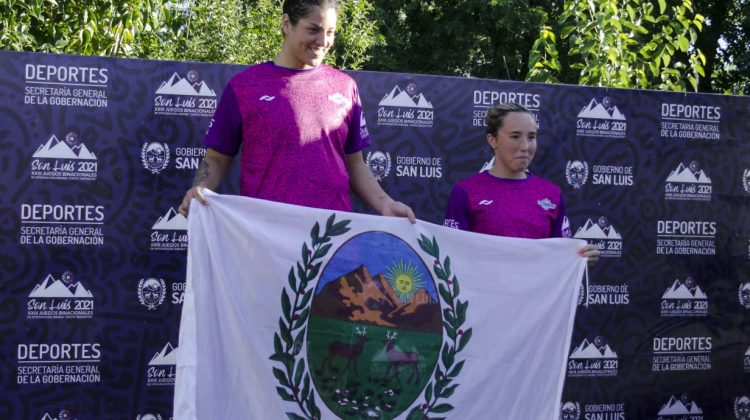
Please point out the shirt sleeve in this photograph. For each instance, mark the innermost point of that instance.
(224, 134)
(458, 213)
(561, 226)
(359, 136)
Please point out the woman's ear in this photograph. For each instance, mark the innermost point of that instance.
(492, 140)
(285, 23)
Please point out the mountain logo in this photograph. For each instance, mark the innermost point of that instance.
(676, 408)
(151, 292)
(172, 220)
(596, 349)
(606, 110)
(689, 174)
(742, 408)
(684, 299)
(68, 149)
(379, 164)
(576, 173)
(188, 86)
(688, 290)
(374, 326)
(65, 287)
(166, 356)
(744, 295)
(62, 415)
(570, 410)
(599, 230)
(155, 156)
(406, 98)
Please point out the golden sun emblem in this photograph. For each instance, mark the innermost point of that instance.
(405, 280)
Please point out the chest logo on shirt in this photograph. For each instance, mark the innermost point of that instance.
(266, 98)
(337, 98)
(546, 204)
(485, 202)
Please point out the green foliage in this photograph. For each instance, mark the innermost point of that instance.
(478, 38)
(75, 26)
(622, 43)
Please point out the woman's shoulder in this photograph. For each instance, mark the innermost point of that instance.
(546, 184)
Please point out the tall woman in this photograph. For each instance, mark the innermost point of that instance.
(297, 124)
(509, 200)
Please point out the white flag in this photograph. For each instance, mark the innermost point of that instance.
(293, 312)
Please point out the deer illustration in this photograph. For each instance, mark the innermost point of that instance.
(347, 351)
(396, 359)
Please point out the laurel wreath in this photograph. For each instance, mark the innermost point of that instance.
(454, 317)
(293, 376)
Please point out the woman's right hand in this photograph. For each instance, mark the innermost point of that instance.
(193, 193)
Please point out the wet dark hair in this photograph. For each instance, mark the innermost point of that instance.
(298, 9)
(497, 113)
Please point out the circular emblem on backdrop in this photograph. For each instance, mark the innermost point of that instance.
(151, 292)
(71, 138)
(744, 295)
(742, 408)
(570, 411)
(379, 164)
(64, 415)
(155, 156)
(576, 173)
(192, 76)
(746, 180)
(368, 360)
(149, 416)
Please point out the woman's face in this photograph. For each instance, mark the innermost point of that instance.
(307, 42)
(514, 144)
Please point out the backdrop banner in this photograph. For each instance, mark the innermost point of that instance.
(308, 312)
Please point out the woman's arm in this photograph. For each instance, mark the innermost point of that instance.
(364, 184)
(211, 172)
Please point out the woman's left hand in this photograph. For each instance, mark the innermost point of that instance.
(590, 252)
(398, 209)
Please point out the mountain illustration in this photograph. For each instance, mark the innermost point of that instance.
(675, 406)
(592, 230)
(747, 353)
(53, 288)
(176, 85)
(171, 221)
(167, 356)
(596, 110)
(684, 174)
(357, 296)
(680, 291)
(398, 97)
(588, 350)
(56, 149)
(48, 417)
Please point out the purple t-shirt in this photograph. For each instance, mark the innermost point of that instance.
(296, 128)
(522, 208)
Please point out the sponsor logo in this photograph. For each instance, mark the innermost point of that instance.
(483, 100)
(744, 295)
(363, 131)
(58, 363)
(67, 160)
(681, 354)
(593, 358)
(602, 235)
(690, 122)
(161, 368)
(61, 415)
(63, 298)
(169, 233)
(405, 108)
(576, 173)
(61, 224)
(189, 96)
(266, 98)
(155, 156)
(601, 120)
(742, 408)
(688, 183)
(337, 98)
(605, 294)
(419, 167)
(84, 87)
(682, 408)
(379, 164)
(570, 410)
(151, 292)
(684, 299)
(680, 237)
(486, 202)
(546, 204)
